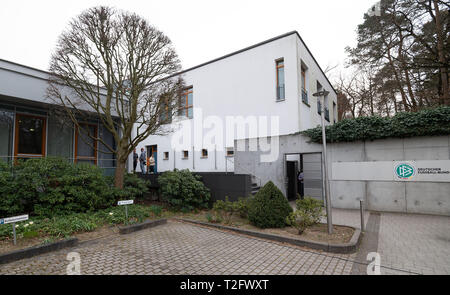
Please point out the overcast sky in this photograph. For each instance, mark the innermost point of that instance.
(201, 30)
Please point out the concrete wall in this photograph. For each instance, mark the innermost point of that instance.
(379, 188)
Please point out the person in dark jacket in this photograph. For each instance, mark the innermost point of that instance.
(300, 178)
(135, 160)
(142, 161)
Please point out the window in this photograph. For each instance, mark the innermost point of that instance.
(230, 152)
(166, 156)
(204, 153)
(186, 103)
(280, 79)
(303, 78)
(6, 134)
(30, 136)
(185, 154)
(304, 92)
(165, 116)
(85, 144)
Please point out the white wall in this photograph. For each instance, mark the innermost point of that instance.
(244, 84)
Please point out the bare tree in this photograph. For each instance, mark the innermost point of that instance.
(116, 67)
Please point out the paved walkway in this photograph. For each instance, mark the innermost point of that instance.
(407, 244)
(178, 248)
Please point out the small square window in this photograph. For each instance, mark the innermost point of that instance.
(230, 152)
(185, 154)
(204, 153)
(166, 156)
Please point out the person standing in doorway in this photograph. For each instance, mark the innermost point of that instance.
(152, 164)
(300, 178)
(135, 160)
(142, 160)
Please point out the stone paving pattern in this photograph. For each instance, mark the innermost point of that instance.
(178, 248)
(407, 243)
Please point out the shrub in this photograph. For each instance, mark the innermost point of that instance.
(427, 122)
(213, 218)
(309, 211)
(225, 210)
(64, 226)
(269, 208)
(183, 190)
(133, 187)
(243, 205)
(155, 210)
(53, 186)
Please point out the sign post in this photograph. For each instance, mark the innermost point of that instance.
(125, 203)
(13, 220)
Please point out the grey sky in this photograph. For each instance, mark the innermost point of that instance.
(200, 29)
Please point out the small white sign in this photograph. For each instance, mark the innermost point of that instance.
(127, 202)
(14, 219)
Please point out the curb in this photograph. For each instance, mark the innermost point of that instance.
(36, 250)
(140, 226)
(345, 248)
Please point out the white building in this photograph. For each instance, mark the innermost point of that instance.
(274, 79)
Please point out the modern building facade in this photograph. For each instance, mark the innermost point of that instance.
(268, 85)
(30, 129)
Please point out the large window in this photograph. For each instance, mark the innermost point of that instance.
(30, 136)
(280, 79)
(6, 134)
(165, 116)
(85, 144)
(187, 103)
(304, 92)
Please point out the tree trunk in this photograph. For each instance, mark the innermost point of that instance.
(440, 46)
(120, 171)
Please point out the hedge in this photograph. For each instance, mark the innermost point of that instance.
(427, 122)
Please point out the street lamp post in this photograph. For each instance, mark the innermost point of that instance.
(319, 94)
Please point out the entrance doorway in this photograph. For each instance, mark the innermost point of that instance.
(153, 150)
(292, 172)
(311, 166)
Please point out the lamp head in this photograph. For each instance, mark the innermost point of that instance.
(321, 93)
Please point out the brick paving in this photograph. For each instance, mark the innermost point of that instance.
(407, 244)
(177, 248)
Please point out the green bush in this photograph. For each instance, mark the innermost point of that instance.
(53, 186)
(243, 205)
(183, 190)
(64, 226)
(427, 122)
(225, 210)
(309, 211)
(269, 208)
(134, 187)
